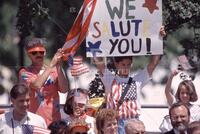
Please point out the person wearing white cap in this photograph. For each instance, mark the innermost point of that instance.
(75, 107)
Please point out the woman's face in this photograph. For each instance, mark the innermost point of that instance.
(184, 95)
(110, 127)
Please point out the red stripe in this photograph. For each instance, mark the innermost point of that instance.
(131, 113)
(78, 29)
(84, 30)
(128, 109)
(117, 92)
(123, 114)
(39, 130)
(135, 107)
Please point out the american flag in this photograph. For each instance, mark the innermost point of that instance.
(78, 67)
(30, 129)
(80, 27)
(132, 93)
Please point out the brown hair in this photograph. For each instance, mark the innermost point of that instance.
(191, 89)
(194, 126)
(18, 90)
(33, 42)
(178, 104)
(103, 116)
(120, 58)
(68, 104)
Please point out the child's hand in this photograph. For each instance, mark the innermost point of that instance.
(174, 73)
(162, 31)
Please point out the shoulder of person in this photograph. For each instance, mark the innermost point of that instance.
(194, 107)
(35, 117)
(6, 116)
(90, 117)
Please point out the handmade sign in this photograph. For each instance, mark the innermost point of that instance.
(124, 28)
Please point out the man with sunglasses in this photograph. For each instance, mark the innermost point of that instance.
(45, 81)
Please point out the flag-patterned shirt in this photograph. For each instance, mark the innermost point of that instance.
(43, 101)
(115, 85)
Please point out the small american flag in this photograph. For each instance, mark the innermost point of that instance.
(78, 67)
(30, 129)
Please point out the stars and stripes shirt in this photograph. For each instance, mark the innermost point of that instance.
(45, 100)
(115, 85)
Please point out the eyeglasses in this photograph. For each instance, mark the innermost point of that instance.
(80, 132)
(36, 52)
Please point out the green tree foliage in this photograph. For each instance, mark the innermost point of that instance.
(49, 19)
(177, 12)
(7, 31)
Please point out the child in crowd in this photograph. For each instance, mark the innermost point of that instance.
(75, 108)
(122, 88)
(186, 93)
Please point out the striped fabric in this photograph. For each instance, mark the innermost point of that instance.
(30, 129)
(128, 109)
(80, 27)
(78, 67)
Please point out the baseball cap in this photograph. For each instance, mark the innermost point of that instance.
(35, 44)
(80, 98)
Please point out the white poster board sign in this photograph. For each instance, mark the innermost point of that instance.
(125, 28)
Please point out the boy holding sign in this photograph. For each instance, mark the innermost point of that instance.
(123, 87)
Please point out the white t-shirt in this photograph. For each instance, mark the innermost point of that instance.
(8, 125)
(114, 88)
(194, 112)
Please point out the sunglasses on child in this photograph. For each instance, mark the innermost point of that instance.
(36, 52)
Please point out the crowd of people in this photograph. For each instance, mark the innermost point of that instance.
(36, 106)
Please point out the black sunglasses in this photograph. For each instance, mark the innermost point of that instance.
(35, 52)
(80, 132)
